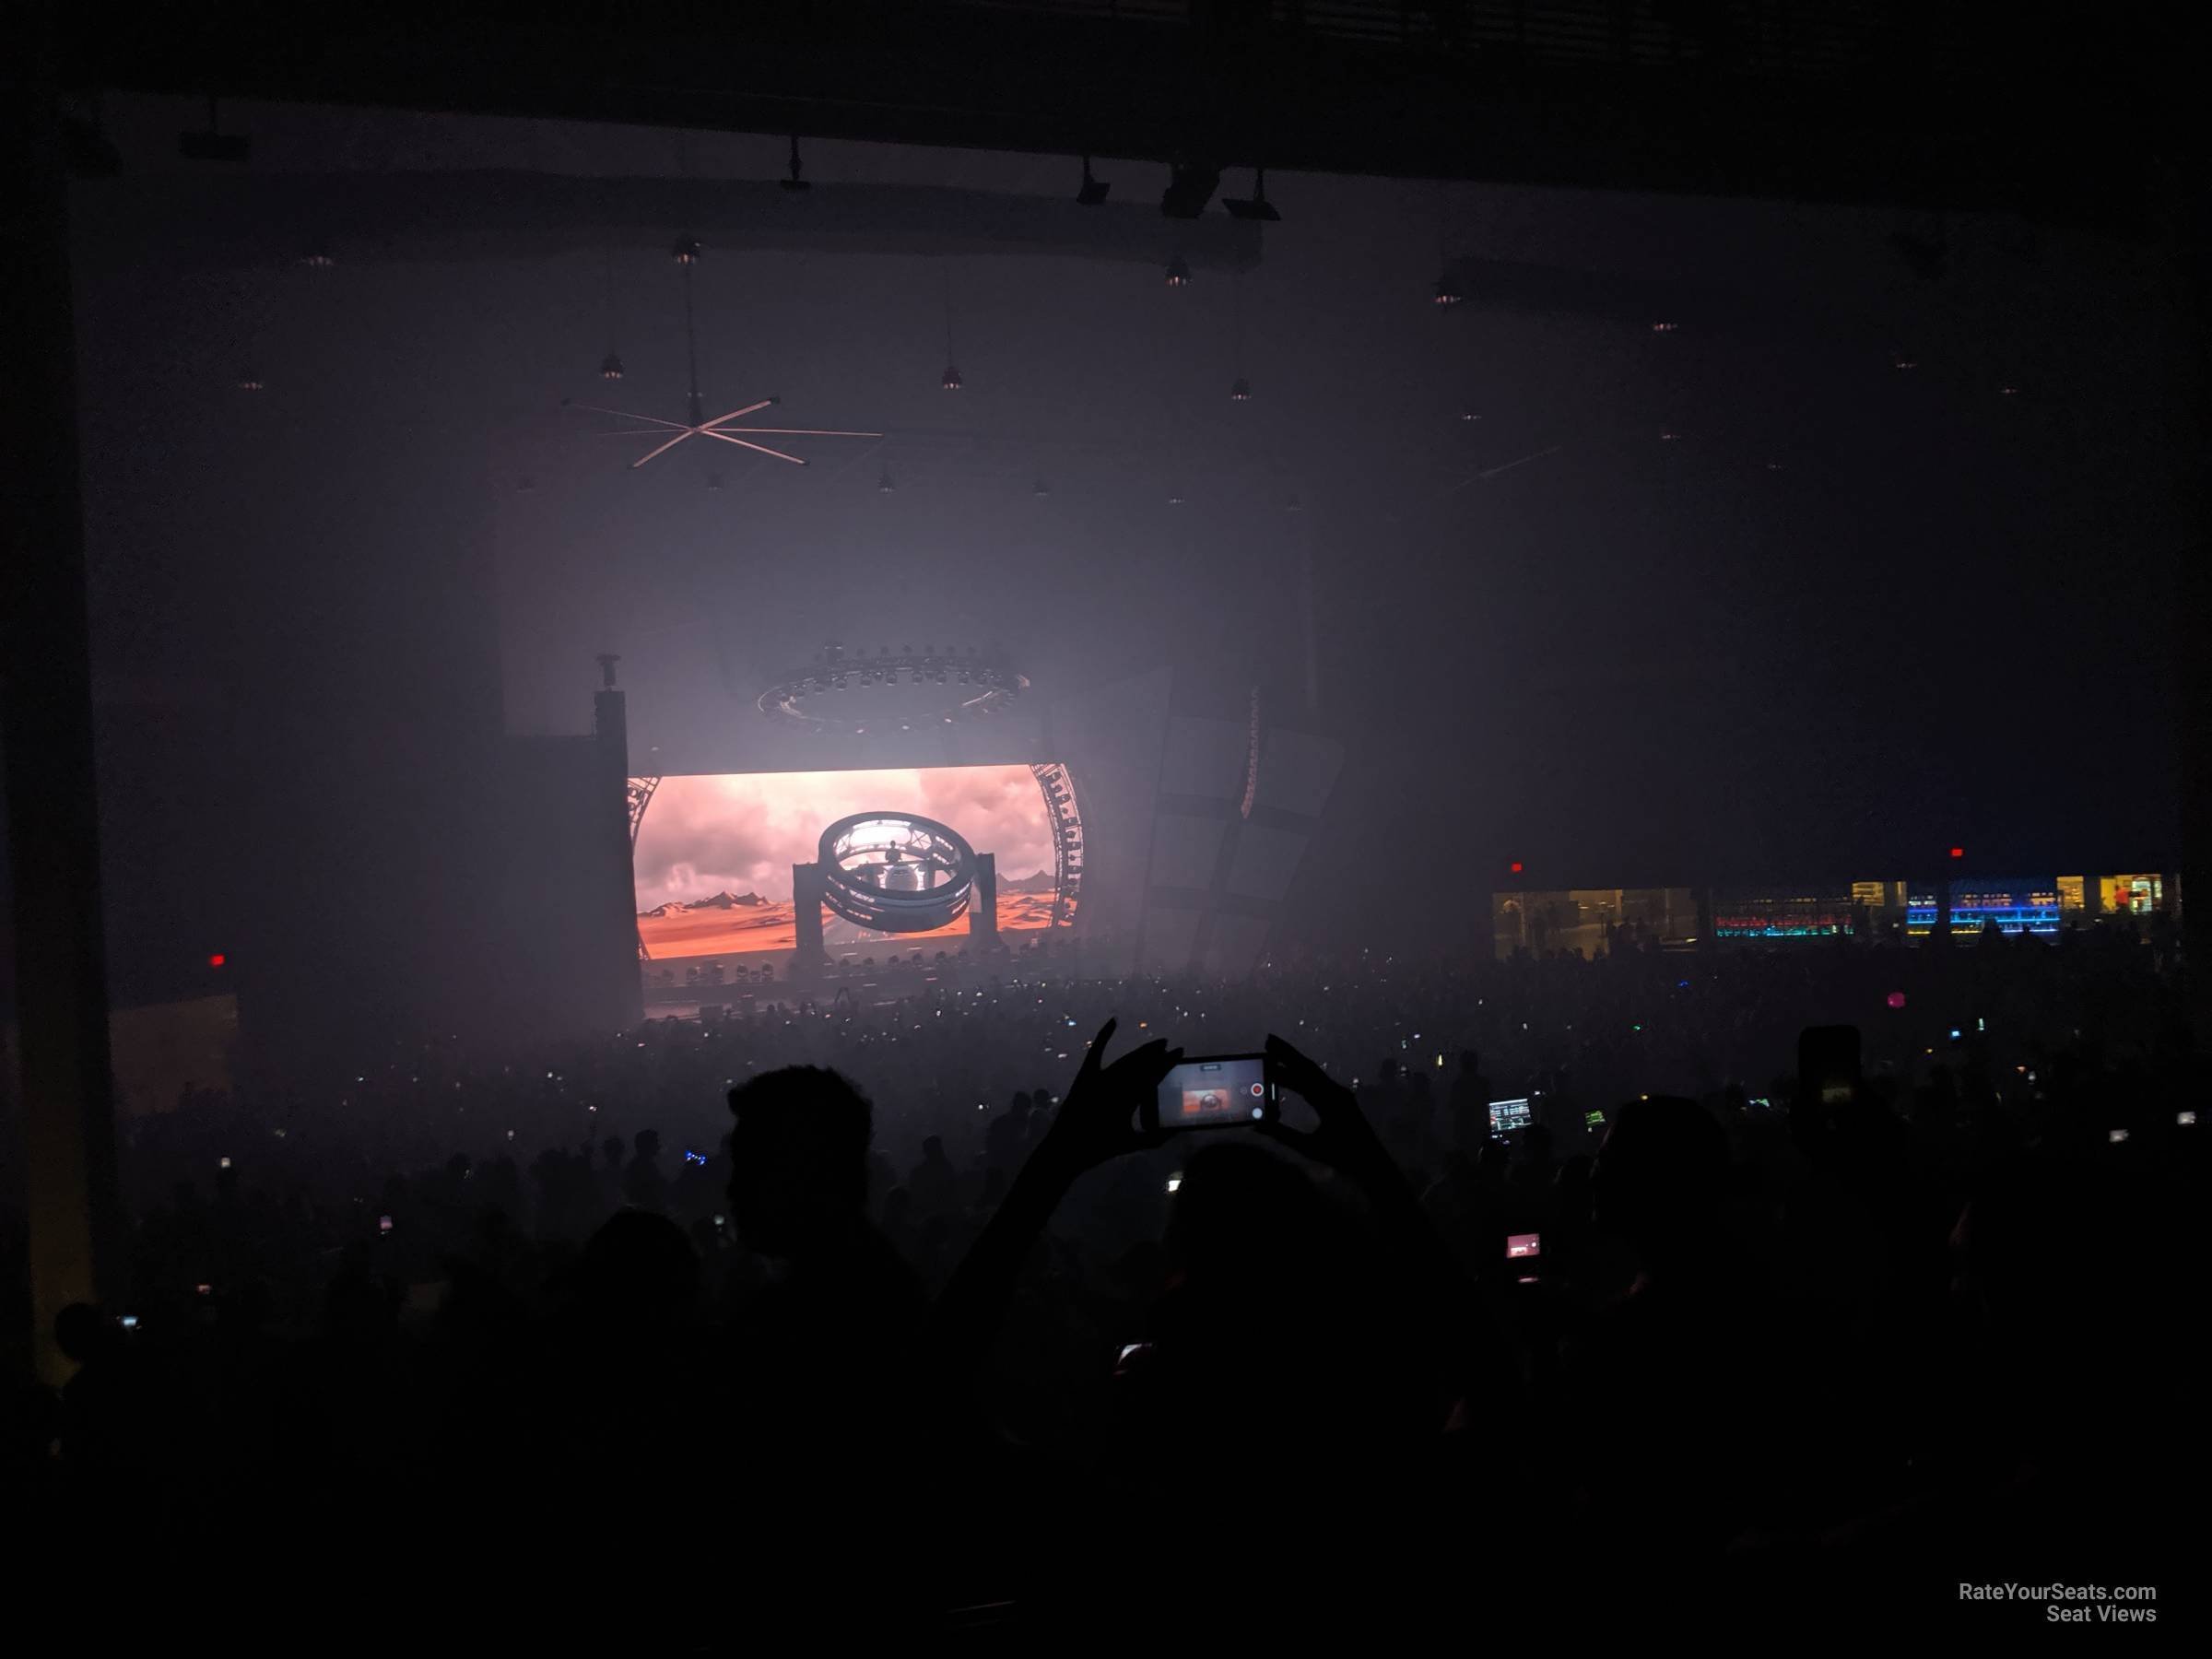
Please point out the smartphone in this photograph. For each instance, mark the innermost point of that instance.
(1522, 1246)
(1218, 1092)
(1827, 1065)
(1508, 1116)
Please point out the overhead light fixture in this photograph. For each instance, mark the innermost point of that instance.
(1174, 500)
(2008, 391)
(249, 382)
(1091, 192)
(686, 249)
(1190, 187)
(795, 182)
(1665, 328)
(1468, 414)
(610, 367)
(883, 484)
(1447, 289)
(1179, 274)
(713, 480)
(1240, 390)
(1907, 363)
(318, 256)
(1041, 489)
(1256, 207)
(951, 379)
(1294, 504)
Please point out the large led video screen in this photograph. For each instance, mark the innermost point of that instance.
(715, 852)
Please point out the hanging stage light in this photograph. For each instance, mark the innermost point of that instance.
(1241, 392)
(795, 182)
(1179, 274)
(1447, 290)
(951, 382)
(610, 367)
(686, 249)
(1255, 207)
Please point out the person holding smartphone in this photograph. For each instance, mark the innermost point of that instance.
(1305, 1354)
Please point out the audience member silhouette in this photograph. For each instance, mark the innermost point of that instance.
(1819, 1347)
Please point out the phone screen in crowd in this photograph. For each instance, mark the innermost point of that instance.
(1508, 1116)
(1216, 1092)
(1522, 1246)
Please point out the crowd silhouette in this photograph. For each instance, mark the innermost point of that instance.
(918, 1330)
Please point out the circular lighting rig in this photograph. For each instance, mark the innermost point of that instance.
(841, 692)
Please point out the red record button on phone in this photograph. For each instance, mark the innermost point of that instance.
(1257, 1091)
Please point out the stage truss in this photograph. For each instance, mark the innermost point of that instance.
(1065, 815)
(640, 791)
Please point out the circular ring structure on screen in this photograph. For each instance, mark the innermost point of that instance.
(895, 872)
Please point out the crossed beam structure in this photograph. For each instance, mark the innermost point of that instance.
(719, 428)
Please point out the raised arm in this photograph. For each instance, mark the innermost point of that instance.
(1346, 1143)
(1095, 1124)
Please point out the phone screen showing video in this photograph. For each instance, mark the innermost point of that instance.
(1507, 1116)
(1212, 1094)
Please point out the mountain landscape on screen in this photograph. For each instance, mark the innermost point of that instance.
(728, 923)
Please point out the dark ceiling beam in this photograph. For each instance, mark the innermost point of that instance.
(1999, 116)
(223, 218)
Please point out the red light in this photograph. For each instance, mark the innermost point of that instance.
(217, 959)
(1896, 999)
(1516, 866)
(1957, 852)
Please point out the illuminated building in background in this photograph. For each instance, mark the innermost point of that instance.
(2134, 895)
(1785, 915)
(2016, 907)
(2111, 895)
(1585, 920)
